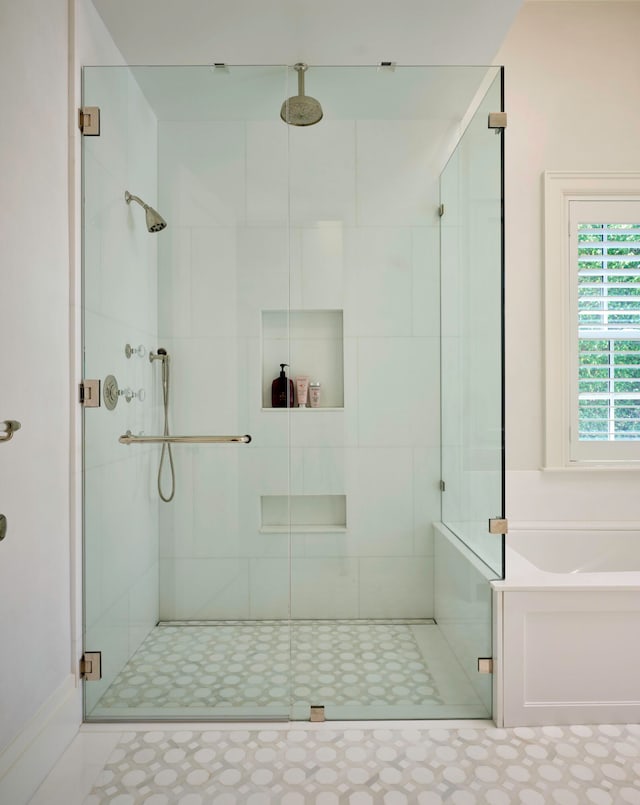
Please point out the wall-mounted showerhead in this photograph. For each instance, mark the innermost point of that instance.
(301, 109)
(155, 222)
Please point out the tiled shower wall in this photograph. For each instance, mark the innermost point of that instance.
(119, 307)
(263, 217)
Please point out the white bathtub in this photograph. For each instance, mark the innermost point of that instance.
(583, 557)
(567, 618)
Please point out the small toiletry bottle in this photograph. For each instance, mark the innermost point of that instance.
(282, 390)
(302, 389)
(314, 394)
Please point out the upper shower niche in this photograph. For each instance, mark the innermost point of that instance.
(312, 341)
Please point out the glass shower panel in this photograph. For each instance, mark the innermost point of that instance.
(187, 599)
(256, 581)
(472, 348)
(365, 465)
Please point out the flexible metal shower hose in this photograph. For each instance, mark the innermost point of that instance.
(166, 448)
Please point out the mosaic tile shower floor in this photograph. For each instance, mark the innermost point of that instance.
(252, 665)
(542, 766)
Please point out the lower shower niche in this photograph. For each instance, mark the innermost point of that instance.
(303, 513)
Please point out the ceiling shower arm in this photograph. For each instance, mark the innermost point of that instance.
(301, 71)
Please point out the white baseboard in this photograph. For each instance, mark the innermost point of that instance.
(31, 755)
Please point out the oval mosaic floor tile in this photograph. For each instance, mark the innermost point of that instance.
(251, 664)
(362, 767)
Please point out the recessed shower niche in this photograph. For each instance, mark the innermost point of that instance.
(311, 342)
(303, 513)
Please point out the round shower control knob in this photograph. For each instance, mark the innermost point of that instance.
(140, 351)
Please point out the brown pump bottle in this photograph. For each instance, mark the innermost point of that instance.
(279, 387)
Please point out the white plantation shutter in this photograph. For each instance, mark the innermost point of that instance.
(605, 293)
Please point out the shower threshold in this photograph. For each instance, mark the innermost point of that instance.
(277, 670)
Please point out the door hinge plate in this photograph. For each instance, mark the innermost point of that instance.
(443, 486)
(91, 666)
(317, 713)
(89, 121)
(497, 120)
(441, 210)
(498, 525)
(90, 393)
(485, 665)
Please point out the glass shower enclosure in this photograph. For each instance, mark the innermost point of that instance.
(244, 560)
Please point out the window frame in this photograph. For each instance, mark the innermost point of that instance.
(560, 328)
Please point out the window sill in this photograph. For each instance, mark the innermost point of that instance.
(593, 466)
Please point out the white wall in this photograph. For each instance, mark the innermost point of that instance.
(361, 200)
(573, 103)
(40, 482)
(34, 338)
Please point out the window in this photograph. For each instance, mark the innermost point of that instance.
(592, 320)
(604, 238)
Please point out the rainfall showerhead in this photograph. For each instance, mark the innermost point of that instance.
(155, 222)
(301, 109)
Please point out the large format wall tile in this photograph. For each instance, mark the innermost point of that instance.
(398, 391)
(203, 173)
(396, 587)
(304, 230)
(203, 588)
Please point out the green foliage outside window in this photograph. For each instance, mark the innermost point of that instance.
(609, 303)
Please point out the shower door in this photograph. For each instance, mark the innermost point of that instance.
(366, 466)
(187, 600)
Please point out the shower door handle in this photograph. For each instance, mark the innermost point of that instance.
(129, 438)
(10, 427)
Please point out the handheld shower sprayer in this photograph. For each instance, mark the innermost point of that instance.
(155, 222)
(163, 356)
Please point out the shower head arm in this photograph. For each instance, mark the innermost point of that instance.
(300, 68)
(129, 197)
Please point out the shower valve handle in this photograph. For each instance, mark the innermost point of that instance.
(129, 394)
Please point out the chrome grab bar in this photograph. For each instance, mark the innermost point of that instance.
(129, 438)
(10, 427)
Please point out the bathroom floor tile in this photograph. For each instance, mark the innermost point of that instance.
(366, 766)
(251, 664)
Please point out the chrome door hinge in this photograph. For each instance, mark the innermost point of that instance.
(497, 120)
(91, 666)
(90, 393)
(498, 526)
(485, 665)
(89, 121)
(441, 210)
